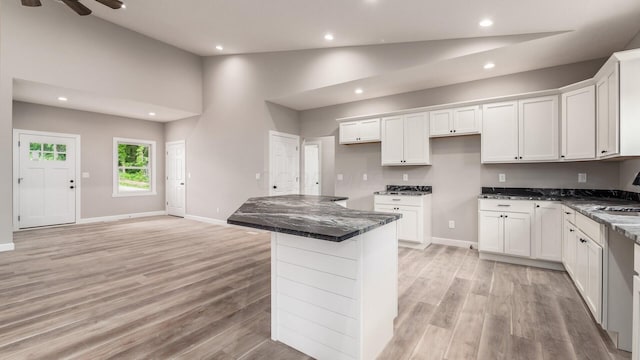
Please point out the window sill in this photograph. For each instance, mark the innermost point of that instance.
(134, 194)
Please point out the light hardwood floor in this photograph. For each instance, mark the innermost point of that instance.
(165, 287)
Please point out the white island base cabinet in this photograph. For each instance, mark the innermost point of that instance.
(335, 300)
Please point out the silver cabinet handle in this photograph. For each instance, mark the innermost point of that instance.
(503, 205)
(396, 199)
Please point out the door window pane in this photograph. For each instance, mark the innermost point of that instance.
(34, 155)
(35, 146)
(61, 148)
(61, 157)
(48, 156)
(48, 147)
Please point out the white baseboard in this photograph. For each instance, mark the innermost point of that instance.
(453, 242)
(522, 261)
(7, 247)
(219, 222)
(412, 245)
(121, 217)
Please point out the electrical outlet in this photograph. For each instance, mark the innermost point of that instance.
(582, 177)
(364, 177)
(452, 224)
(217, 210)
(502, 177)
(405, 177)
(257, 176)
(340, 177)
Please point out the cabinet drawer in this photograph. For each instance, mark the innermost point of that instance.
(569, 214)
(589, 228)
(507, 205)
(398, 200)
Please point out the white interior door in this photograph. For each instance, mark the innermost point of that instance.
(47, 180)
(312, 168)
(176, 184)
(284, 164)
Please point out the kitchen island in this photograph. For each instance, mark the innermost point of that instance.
(334, 274)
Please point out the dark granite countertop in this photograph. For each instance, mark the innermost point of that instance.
(308, 216)
(406, 190)
(587, 202)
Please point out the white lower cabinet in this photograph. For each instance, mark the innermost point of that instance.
(491, 232)
(517, 234)
(415, 225)
(635, 355)
(548, 230)
(582, 257)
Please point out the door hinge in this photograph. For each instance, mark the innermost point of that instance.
(296, 148)
(18, 217)
(167, 203)
(19, 181)
(18, 143)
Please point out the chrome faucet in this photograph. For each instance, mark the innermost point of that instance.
(636, 182)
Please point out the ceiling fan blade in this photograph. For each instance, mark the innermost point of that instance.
(114, 4)
(76, 6)
(31, 3)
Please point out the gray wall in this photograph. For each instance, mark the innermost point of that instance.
(97, 132)
(456, 173)
(634, 43)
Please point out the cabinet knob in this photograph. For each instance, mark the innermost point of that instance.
(583, 240)
(275, 187)
(454, 131)
(571, 230)
(562, 156)
(603, 151)
(72, 187)
(537, 206)
(520, 157)
(516, 158)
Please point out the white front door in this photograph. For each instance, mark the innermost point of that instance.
(284, 174)
(46, 180)
(312, 168)
(176, 178)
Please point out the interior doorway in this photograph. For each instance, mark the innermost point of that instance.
(46, 190)
(312, 167)
(284, 163)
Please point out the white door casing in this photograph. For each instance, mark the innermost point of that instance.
(46, 188)
(176, 178)
(312, 167)
(284, 163)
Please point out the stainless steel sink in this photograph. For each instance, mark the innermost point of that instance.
(621, 210)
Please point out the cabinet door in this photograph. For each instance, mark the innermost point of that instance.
(440, 122)
(348, 132)
(491, 232)
(416, 139)
(582, 263)
(517, 234)
(409, 226)
(500, 132)
(392, 140)
(466, 120)
(613, 88)
(635, 353)
(602, 112)
(579, 124)
(369, 130)
(594, 278)
(570, 247)
(538, 127)
(548, 230)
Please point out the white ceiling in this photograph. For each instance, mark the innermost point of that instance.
(45, 94)
(244, 26)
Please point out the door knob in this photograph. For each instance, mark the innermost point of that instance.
(71, 181)
(72, 187)
(275, 187)
(181, 183)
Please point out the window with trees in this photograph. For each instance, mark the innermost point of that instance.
(134, 167)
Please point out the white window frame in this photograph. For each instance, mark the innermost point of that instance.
(153, 169)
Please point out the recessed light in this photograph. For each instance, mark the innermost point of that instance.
(219, 47)
(359, 91)
(489, 65)
(62, 98)
(486, 23)
(124, 6)
(152, 114)
(328, 36)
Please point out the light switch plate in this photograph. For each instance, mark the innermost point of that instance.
(452, 224)
(405, 177)
(257, 176)
(86, 175)
(364, 177)
(340, 177)
(502, 177)
(582, 177)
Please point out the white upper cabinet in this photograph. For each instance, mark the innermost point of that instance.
(440, 122)
(579, 124)
(524, 130)
(405, 140)
(608, 118)
(500, 132)
(362, 131)
(453, 122)
(538, 127)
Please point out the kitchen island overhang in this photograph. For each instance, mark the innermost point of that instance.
(334, 274)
